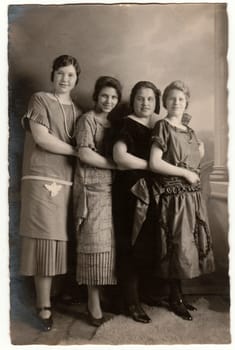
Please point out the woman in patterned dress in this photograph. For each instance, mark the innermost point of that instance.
(46, 182)
(92, 197)
(186, 244)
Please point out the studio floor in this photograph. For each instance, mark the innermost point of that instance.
(210, 325)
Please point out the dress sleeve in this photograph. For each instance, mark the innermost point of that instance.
(160, 135)
(37, 112)
(85, 132)
(124, 135)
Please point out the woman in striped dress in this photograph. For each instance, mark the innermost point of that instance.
(46, 182)
(92, 197)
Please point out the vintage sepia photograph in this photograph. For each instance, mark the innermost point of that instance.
(118, 173)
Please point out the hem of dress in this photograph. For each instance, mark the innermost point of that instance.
(46, 238)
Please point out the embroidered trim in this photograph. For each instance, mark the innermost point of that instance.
(202, 251)
(53, 188)
(180, 188)
(44, 178)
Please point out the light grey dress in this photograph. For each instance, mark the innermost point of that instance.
(45, 191)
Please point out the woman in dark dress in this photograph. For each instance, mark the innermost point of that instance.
(131, 153)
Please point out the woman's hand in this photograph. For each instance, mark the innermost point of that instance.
(93, 158)
(191, 176)
(121, 167)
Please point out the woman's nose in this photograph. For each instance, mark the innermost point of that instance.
(145, 101)
(64, 77)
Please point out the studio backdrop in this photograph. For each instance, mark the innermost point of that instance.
(156, 42)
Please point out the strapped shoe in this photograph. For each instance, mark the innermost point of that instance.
(46, 323)
(178, 307)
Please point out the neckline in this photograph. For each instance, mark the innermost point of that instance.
(176, 127)
(137, 122)
(53, 98)
(105, 124)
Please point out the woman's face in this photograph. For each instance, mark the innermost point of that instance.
(176, 102)
(144, 103)
(64, 79)
(107, 99)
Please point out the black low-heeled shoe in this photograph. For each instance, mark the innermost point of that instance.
(138, 314)
(96, 322)
(46, 323)
(178, 307)
(187, 305)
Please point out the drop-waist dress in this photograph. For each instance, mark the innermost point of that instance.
(183, 228)
(46, 190)
(93, 208)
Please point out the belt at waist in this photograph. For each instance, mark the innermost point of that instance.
(45, 178)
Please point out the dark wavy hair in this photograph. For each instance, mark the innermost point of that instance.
(106, 81)
(63, 61)
(178, 85)
(149, 85)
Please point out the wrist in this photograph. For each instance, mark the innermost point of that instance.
(184, 172)
(146, 165)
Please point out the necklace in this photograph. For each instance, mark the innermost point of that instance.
(64, 116)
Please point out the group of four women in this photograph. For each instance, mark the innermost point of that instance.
(137, 203)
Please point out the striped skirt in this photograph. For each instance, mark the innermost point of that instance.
(96, 268)
(43, 257)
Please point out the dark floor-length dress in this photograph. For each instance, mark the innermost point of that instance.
(132, 252)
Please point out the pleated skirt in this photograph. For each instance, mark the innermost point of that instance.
(43, 257)
(96, 268)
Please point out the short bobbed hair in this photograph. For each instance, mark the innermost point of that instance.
(107, 81)
(64, 61)
(176, 85)
(148, 85)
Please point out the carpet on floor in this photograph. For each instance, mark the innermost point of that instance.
(210, 325)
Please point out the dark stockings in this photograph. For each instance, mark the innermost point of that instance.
(130, 289)
(176, 300)
(129, 285)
